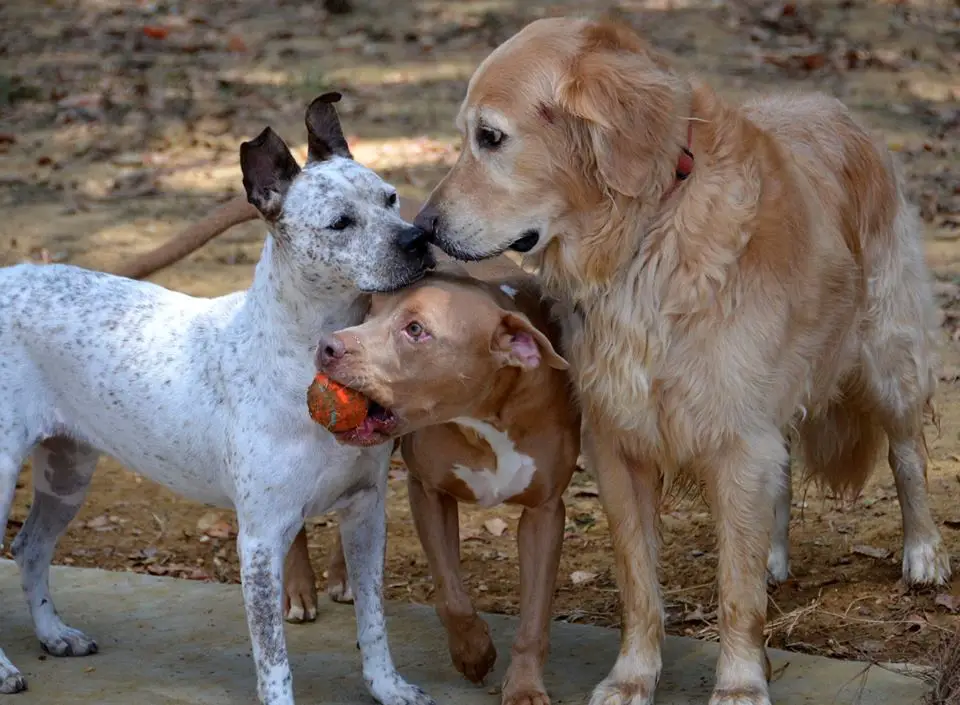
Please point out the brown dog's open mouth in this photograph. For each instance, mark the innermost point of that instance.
(376, 427)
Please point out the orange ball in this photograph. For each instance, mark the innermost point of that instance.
(335, 407)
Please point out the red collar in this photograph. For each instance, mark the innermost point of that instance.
(684, 163)
(685, 160)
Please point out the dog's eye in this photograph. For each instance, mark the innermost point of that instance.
(392, 200)
(489, 138)
(341, 223)
(415, 330)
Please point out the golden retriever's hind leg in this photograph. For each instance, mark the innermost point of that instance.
(899, 364)
(631, 498)
(778, 559)
(741, 483)
(925, 559)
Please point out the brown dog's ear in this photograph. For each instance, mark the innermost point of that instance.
(324, 134)
(268, 170)
(517, 342)
(627, 100)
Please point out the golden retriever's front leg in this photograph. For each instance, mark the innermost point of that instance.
(741, 483)
(630, 497)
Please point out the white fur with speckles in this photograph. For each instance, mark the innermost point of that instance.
(208, 397)
(510, 477)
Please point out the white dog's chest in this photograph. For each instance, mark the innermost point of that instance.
(512, 473)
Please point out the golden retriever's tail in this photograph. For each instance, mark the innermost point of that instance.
(840, 447)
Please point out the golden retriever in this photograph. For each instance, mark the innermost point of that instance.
(732, 274)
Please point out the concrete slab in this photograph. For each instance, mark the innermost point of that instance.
(165, 642)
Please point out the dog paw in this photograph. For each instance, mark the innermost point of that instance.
(471, 648)
(298, 613)
(530, 696)
(624, 693)
(69, 642)
(11, 680)
(300, 604)
(926, 563)
(339, 591)
(778, 567)
(741, 696)
(399, 693)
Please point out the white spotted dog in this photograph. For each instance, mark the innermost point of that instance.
(207, 396)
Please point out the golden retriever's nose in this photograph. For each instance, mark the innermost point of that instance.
(427, 219)
(329, 350)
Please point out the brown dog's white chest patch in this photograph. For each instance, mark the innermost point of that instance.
(513, 471)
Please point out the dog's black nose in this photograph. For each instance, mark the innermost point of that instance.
(329, 350)
(413, 240)
(428, 219)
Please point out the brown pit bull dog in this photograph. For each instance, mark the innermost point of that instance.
(464, 369)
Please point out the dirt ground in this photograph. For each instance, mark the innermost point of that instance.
(120, 123)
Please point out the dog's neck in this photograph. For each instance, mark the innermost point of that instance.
(517, 398)
(661, 259)
(285, 304)
(618, 239)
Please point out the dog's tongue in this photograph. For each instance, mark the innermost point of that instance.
(367, 429)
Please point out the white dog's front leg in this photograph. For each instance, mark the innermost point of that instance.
(363, 530)
(261, 573)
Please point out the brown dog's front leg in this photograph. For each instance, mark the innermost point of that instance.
(540, 538)
(436, 518)
(299, 583)
(338, 583)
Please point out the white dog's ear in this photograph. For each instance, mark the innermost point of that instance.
(324, 134)
(517, 342)
(268, 170)
(626, 98)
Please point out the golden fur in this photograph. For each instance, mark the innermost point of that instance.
(781, 288)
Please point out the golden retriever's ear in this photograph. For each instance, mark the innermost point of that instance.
(627, 101)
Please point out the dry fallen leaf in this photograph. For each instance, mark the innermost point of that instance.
(212, 524)
(99, 522)
(236, 44)
(915, 622)
(495, 526)
(951, 602)
(207, 520)
(198, 574)
(220, 530)
(579, 577)
(156, 32)
(871, 551)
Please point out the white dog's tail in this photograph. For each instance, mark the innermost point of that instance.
(231, 213)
